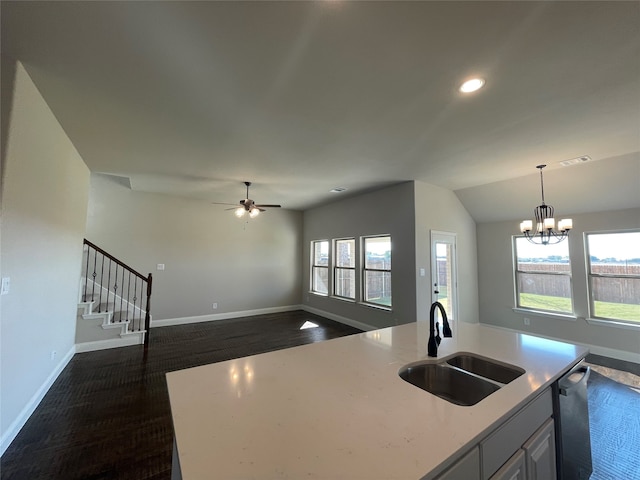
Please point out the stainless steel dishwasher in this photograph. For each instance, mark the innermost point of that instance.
(571, 411)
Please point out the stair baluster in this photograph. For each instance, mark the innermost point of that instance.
(124, 308)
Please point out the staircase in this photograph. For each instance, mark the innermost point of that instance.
(114, 303)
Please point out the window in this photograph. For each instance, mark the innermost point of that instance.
(344, 275)
(376, 279)
(320, 266)
(613, 270)
(543, 276)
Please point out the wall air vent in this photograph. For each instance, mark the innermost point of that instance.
(575, 161)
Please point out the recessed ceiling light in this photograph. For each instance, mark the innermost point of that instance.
(472, 85)
(337, 190)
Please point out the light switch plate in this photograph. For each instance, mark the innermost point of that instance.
(6, 284)
(160, 266)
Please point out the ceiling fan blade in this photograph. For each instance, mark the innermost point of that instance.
(268, 206)
(223, 203)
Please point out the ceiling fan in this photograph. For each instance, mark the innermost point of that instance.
(248, 206)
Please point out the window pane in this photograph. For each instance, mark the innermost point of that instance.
(321, 253)
(614, 253)
(345, 253)
(444, 274)
(543, 276)
(545, 292)
(614, 275)
(377, 253)
(377, 287)
(345, 283)
(616, 298)
(320, 279)
(546, 258)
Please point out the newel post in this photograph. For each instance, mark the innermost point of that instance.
(147, 317)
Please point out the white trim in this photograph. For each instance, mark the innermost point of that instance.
(377, 306)
(133, 338)
(128, 306)
(222, 316)
(598, 350)
(15, 427)
(338, 318)
(613, 323)
(540, 313)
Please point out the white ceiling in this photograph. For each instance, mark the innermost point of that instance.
(193, 98)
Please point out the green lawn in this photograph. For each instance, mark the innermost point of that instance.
(619, 311)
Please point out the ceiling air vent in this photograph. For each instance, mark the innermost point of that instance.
(575, 161)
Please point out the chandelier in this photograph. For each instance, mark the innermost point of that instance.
(545, 232)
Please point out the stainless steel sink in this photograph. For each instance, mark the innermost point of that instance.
(448, 383)
(463, 379)
(491, 369)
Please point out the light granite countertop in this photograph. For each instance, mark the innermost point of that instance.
(338, 409)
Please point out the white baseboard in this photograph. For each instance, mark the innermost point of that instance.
(126, 341)
(223, 316)
(595, 349)
(33, 403)
(339, 318)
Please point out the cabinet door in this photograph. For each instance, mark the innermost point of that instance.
(514, 469)
(540, 453)
(467, 468)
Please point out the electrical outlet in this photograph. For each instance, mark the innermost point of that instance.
(527, 321)
(6, 285)
(160, 266)
(215, 305)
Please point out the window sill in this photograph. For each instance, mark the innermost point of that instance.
(613, 323)
(318, 294)
(377, 307)
(540, 313)
(344, 299)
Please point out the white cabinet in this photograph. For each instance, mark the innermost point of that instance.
(521, 448)
(540, 455)
(497, 448)
(514, 469)
(536, 460)
(467, 468)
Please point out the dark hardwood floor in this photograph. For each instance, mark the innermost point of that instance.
(107, 416)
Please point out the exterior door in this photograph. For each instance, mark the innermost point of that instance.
(444, 279)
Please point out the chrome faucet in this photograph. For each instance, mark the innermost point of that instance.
(434, 329)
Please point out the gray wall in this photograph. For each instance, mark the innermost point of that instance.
(408, 212)
(496, 287)
(209, 254)
(439, 209)
(45, 193)
(387, 211)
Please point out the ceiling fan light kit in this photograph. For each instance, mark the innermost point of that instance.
(545, 232)
(248, 206)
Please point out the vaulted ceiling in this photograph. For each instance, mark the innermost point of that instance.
(193, 98)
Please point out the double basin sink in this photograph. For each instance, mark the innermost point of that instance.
(463, 378)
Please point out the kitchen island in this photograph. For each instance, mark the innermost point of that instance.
(338, 409)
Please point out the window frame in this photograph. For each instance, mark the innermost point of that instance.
(338, 268)
(516, 289)
(591, 276)
(315, 267)
(364, 270)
